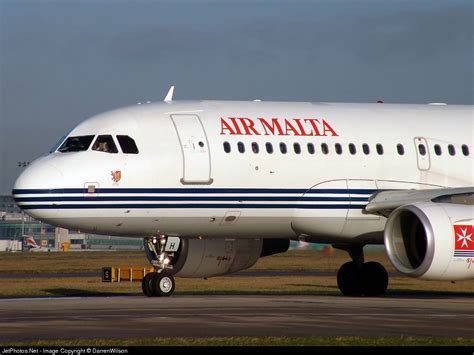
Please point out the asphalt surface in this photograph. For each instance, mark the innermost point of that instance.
(204, 316)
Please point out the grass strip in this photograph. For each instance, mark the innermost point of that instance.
(254, 341)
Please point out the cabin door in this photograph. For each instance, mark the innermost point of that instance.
(195, 149)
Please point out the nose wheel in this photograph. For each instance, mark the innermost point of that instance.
(160, 284)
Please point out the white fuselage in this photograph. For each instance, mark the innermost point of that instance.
(183, 182)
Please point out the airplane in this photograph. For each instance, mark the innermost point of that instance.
(31, 245)
(212, 186)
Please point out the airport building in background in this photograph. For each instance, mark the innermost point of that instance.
(15, 225)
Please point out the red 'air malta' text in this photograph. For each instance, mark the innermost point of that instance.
(276, 127)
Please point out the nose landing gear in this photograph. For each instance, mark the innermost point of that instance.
(160, 252)
(158, 284)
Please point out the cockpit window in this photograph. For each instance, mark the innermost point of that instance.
(127, 144)
(105, 144)
(76, 144)
(57, 144)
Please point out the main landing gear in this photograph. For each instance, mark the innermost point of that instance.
(357, 278)
(160, 252)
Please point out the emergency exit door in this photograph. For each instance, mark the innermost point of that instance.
(195, 149)
(422, 153)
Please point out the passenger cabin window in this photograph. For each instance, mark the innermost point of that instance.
(422, 149)
(283, 149)
(297, 148)
(338, 148)
(227, 147)
(465, 150)
(379, 148)
(269, 147)
(76, 144)
(451, 149)
(352, 149)
(241, 147)
(437, 149)
(255, 148)
(105, 143)
(311, 148)
(127, 144)
(366, 149)
(400, 149)
(324, 148)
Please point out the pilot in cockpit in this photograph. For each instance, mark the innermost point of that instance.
(103, 147)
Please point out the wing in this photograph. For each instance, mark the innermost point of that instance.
(385, 202)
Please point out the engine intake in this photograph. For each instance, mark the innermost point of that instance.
(420, 240)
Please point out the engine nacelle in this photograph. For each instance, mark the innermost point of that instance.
(430, 240)
(214, 257)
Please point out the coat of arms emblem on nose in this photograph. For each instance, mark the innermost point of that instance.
(116, 175)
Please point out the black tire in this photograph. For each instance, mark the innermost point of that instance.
(374, 279)
(349, 279)
(147, 284)
(163, 284)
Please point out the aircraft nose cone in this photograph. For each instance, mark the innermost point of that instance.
(38, 176)
(33, 184)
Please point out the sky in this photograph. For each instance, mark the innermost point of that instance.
(64, 61)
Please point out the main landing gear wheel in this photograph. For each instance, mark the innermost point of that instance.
(374, 279)
(348, 279)
(369, 280)
(158, 284)
(358, 278)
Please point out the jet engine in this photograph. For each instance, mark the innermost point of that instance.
(432, 240)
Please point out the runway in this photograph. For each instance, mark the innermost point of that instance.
(205, 316)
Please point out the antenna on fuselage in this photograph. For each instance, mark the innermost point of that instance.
(169, 95)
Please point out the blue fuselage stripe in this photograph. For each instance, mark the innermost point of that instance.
(96, 199)
(193, 191)
(187, 205)
(184, 198)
